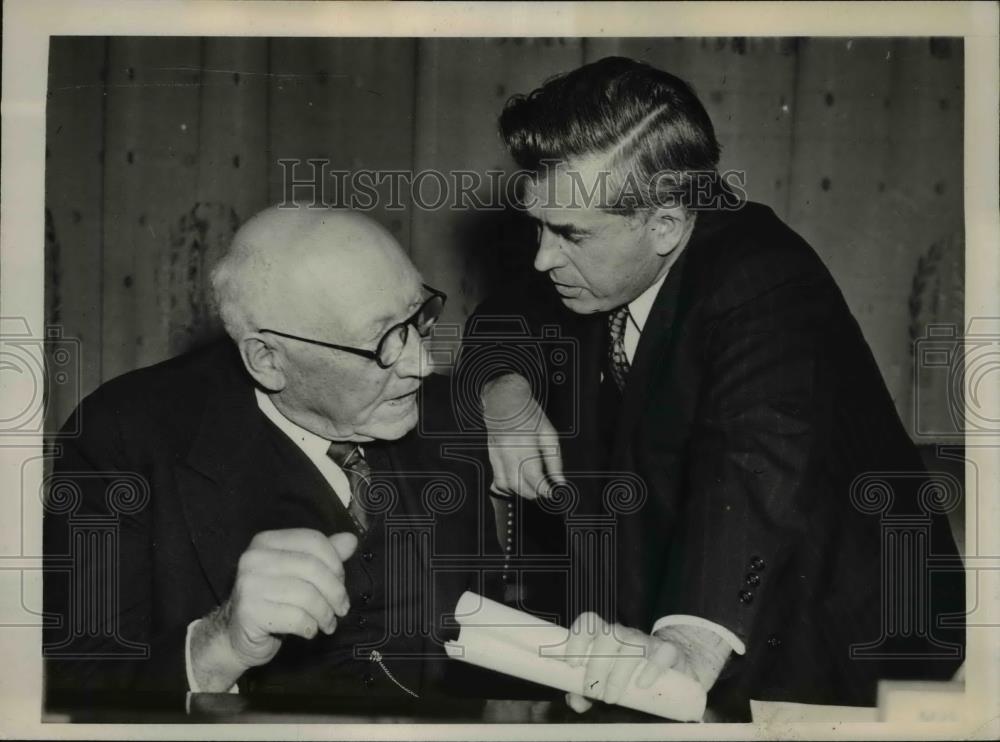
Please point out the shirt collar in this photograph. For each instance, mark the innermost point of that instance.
(313, 445)
(640, 307)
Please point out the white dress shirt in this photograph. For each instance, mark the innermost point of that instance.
(638, 313)
(313, 446)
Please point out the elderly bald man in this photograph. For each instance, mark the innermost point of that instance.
(279, 513)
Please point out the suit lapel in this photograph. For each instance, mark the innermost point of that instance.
(577, 415)
(593, 344)
(646, 368)
(300, 480)
(220, 481)
(238, 467)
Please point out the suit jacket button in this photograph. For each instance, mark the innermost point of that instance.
(774, 641)
(362, 621)
(365, 597)
(756, 564)
(753, 580)
(368, 556)
(746, 597)
(368, 679)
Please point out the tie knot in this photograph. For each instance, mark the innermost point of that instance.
(351, 460)
(344, 454)
(616, 349)
(616, 321)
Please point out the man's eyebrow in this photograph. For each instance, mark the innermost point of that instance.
(563, 230)
(567, 230)
(383, 322)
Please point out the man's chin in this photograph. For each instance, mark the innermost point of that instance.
(582, 304)
(396, 424)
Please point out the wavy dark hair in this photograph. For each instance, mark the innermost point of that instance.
(649, 123)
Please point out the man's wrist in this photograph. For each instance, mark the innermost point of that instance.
(705, 651)
(504, 396)
(214, 664)
(509, 381)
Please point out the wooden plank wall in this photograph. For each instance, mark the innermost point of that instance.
(748, 88)
(462, 86)
(159, 147)
(350, 102)
(74, 148)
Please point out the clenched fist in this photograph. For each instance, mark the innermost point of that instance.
(287, 582)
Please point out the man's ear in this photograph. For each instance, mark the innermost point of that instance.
(263, 361)
(671, 227)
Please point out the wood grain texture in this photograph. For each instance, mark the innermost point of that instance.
(926, 206)
(150, 175)
(230, 184)
(873, 145)
(232, 126)
(347, 101)
(74, 205)
(748, 88)
(462, 87)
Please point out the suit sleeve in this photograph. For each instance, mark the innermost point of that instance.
(100, 632)
(752, 484)
(502, 337)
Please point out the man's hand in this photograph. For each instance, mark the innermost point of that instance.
(612, 653)
(523, 444)
(287, 582)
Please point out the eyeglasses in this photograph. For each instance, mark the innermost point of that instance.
(390, 347)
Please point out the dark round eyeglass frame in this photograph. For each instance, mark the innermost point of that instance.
(430, 310)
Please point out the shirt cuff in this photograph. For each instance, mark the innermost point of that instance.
(192, 683)
(734, 642)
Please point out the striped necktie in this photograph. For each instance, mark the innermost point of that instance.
(349, 458)
(616, 351)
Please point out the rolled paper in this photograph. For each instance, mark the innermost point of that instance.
(512, 642)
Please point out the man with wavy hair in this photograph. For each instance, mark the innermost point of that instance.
(718, 362)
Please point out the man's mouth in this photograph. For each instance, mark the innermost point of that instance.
(402, 398)
(566, 289)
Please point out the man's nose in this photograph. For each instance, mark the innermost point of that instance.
(549, 254)
(416, 359)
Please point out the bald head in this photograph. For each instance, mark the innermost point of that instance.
(296, 282)
(308, 271)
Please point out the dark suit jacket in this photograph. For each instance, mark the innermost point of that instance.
(151, 506)
(752, 410)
